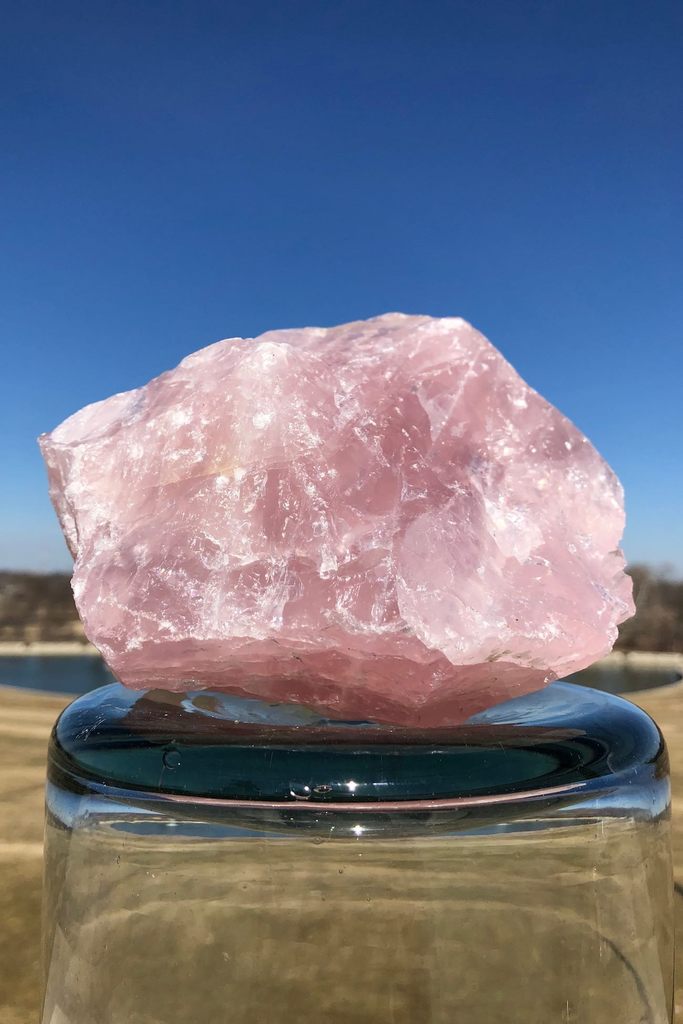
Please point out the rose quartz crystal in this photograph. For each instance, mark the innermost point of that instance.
(377, 520)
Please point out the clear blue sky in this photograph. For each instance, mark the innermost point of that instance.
(172, 173)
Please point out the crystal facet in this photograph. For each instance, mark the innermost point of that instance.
(378, 520)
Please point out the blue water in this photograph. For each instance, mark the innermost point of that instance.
(58, 674)
(83, 672)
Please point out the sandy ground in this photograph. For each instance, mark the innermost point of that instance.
(25, 722)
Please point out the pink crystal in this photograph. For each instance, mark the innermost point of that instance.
(378, 520)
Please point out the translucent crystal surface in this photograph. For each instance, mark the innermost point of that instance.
(380, 520)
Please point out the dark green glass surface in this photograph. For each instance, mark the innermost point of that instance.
(215, 746)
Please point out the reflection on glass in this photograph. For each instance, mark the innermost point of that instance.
(210, 859)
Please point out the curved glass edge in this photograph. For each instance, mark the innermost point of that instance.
(561, 742)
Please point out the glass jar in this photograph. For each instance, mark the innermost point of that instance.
(213, 859)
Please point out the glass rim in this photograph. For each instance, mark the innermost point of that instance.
(560, 742)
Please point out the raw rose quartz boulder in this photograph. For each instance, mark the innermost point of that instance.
(377, 520)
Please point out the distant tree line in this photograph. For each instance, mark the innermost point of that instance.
(658, 622)
(35, 607)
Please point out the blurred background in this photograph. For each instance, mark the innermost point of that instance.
(176, 172)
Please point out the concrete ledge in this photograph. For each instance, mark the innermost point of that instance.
(644, 659)
(45, 648)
